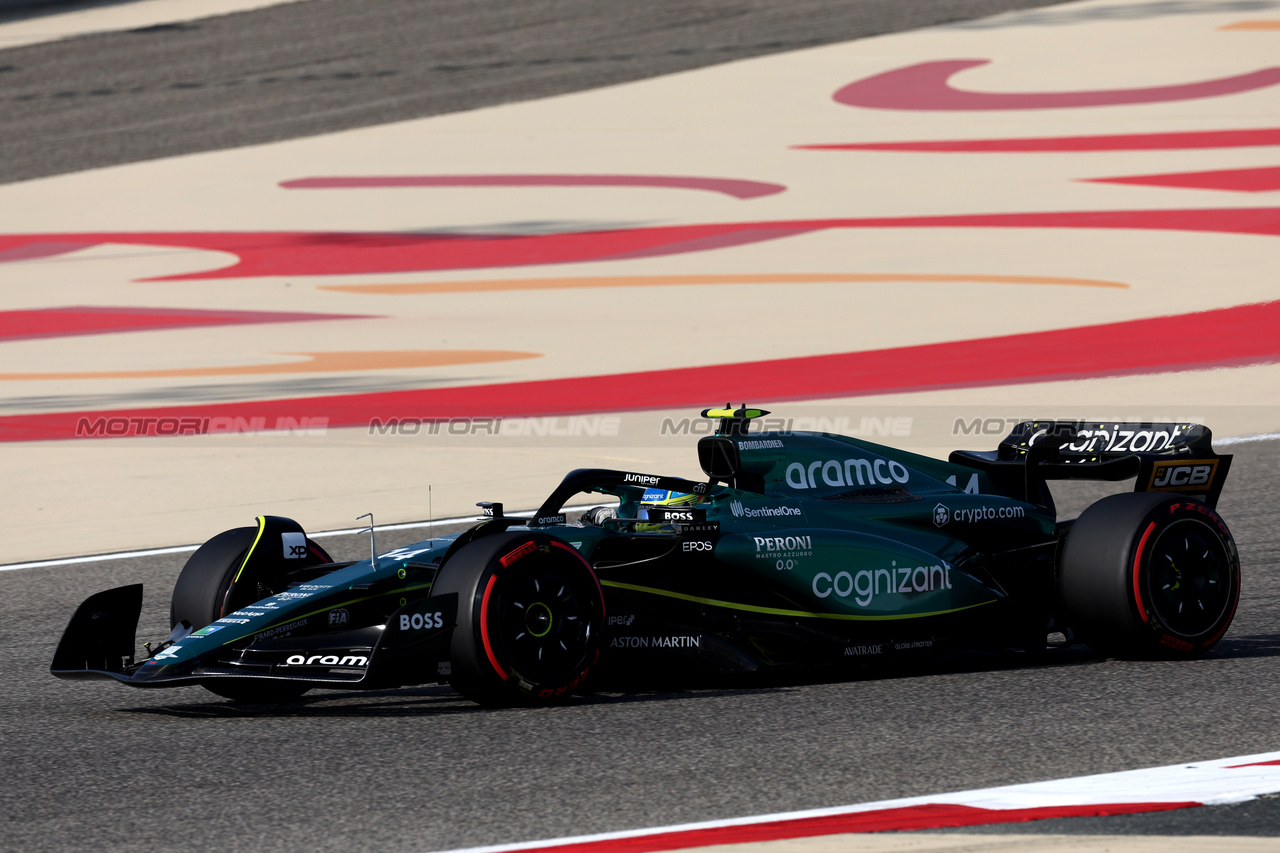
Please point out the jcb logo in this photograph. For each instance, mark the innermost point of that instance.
(1193, 475)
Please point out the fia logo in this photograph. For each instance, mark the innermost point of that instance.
(736, 508)
(338, 617)
(941, 515)
(295, 545)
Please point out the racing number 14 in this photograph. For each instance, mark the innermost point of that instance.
(970, 488)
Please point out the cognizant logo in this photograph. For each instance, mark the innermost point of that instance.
(865, 585)
(833, 472)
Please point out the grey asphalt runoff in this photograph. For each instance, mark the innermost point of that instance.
(101, 766)
(321, 66)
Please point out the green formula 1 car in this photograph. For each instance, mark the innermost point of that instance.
(797, 550)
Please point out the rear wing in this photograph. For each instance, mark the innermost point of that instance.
(1162, 457)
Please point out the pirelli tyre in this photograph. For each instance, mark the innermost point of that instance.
(203, 595)
(1149, 575)
(530, 617)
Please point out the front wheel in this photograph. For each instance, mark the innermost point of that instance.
(206, 591)
(1150, 575)
(530, 618)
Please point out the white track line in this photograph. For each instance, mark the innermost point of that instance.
(1225, 780)
(1245, 439)
(54, 24)
(151, 552)
(463, 519)
(347, 531)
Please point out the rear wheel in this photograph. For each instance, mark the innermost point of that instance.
(530, 617)
(1150, 575)
(204, 593)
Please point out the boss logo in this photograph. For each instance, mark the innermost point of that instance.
(418, 621)
(1190, 475)
(295, 545)
(686, 516)
(698, 545)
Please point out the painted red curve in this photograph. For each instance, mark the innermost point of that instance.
(285, 253)
(93, 320)
(1224, 337)
(1116, 142)
(926, 816)
(1256, 180)
(741, 189)
(926, 86)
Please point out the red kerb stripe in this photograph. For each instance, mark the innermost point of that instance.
(928, 816)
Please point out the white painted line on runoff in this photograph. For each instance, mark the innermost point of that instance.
(98, 558)
(462, 519)
(1244, 439)
(1217, 782)
(55, 24)
(347, 531)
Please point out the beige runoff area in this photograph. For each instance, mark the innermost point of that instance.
(739, 120)
(54, 26)
(963, 843)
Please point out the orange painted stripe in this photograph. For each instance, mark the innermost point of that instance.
(486, 285)
(317, 362)
(1253, 25)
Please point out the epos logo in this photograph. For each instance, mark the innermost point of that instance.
(1183, 475)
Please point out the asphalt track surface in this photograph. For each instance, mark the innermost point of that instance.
(321, 66)
(100, 766)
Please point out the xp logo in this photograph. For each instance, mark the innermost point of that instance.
(941, 515)
(295, 545)
(338, 617)
(736, 508)
(1183, 475)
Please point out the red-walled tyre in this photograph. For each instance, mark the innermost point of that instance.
(1149, 575)
(530, 618)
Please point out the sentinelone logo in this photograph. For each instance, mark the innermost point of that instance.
(740, 511)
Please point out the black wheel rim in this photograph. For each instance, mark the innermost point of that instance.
(1190, 578)
(542, 622)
